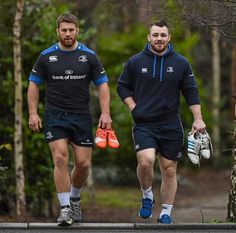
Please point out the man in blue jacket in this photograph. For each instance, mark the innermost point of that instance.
(150, 86)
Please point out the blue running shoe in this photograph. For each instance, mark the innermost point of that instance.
(165, 219)
(146, 208)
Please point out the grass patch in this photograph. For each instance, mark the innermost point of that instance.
(112, 197)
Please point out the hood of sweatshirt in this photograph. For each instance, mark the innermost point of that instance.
(147, 50)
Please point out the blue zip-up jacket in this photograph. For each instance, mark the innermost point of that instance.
(155, 83)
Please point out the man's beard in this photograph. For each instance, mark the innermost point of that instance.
(67, 42)
(159, 49)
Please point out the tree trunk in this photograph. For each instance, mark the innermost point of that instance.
(233, 79)
(215, 37)
(231, 213)
(18, 148)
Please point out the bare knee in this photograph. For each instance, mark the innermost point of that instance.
(169, 172)
(145, 165)
(60, 159)
(82, 165)
(146, 159)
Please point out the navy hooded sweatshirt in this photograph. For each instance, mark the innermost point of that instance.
(155, 83)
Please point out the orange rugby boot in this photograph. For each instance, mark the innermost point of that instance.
(101, 138)
(112, 139)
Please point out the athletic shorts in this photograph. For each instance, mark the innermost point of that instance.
(167, 139)
(73, 126)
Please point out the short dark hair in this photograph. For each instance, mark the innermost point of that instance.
(68, 18)
(161, 23)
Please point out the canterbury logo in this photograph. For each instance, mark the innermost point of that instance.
(144, 70)
(53, 58)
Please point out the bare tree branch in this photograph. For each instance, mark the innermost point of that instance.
(219, 15)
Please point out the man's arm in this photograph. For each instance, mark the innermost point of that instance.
(104, 100)
(129, 101)
(198, 123)
(33, 98)
(124, 85)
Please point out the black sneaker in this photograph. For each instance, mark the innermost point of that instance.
(76, 209)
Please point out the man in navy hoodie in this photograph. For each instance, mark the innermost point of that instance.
(150, 86)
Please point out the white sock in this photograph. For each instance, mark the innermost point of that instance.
(148, 193)
(166, 209)
(64, 198)
(74, 192)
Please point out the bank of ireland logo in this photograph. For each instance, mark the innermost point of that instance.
(69, 71)
(83, 58)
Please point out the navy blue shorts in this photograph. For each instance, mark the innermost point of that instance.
(74, 126)
(167, 139)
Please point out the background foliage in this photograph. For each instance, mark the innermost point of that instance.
(115, 37)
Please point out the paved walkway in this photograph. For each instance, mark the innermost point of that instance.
(202, 210)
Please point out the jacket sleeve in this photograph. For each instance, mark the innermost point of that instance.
(124, 87)
(189, 87)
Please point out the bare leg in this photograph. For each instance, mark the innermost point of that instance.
(59, 150)
(60, 153)
(82, 162)
(146, 160)
(169, 180)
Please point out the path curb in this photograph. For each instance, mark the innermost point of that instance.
(185, 226)
(137, 226)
